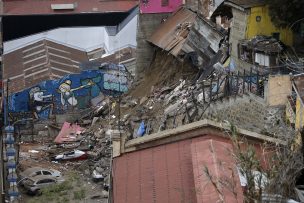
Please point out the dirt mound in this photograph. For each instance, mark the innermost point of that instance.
(165, 70)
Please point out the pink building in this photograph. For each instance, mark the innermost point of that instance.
(159, 6)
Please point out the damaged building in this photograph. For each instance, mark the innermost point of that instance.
(263, 53)
(188, 36)
(251, 19)
(153, 13)
(205, 85)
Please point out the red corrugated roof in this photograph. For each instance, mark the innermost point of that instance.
(30, 7)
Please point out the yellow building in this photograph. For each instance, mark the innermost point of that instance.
(259, 23)
(298, 88)
(250, 19)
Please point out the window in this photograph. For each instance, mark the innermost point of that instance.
(276, 35)
(63, 6)
(258, 19)
(49, 181)
(45, 181)
(47, 173)
(37, 173)
(244, 53)
(40, 182)
(164, 3)
(262, 59)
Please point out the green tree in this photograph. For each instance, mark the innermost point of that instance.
(284, 13)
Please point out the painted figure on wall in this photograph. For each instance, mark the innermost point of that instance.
(40, 102)
(67, 96)
(74, 91)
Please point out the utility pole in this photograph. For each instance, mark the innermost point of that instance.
(2, 199)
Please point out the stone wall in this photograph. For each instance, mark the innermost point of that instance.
(251, 113)
(147, 23)
(238, 32)
(279, 87)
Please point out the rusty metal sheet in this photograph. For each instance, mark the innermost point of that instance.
(173, 31)
(207, 31)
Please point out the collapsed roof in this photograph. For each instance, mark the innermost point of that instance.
(264, 44)
(186, 34)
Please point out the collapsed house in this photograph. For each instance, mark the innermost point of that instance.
(262, 52)
(250, 18)
(187, 35)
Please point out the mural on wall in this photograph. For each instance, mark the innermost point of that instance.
(40, 102)
(72, 92)
(67, 96)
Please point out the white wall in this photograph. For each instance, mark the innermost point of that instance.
(127, 36)
(83, 38)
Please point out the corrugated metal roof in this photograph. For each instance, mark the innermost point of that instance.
(171, 34)
(30, 7)
(185, 32)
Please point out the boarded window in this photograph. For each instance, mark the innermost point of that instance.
(164, 3)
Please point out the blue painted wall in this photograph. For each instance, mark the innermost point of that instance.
(74, 91)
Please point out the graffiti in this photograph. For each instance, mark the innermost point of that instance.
(66, 92)
(115, 82)
(72, 92)
(40, 102)
(115, 78)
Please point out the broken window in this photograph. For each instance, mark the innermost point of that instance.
(273, 60)
(276, 35)
(164, 3)
(244, 53)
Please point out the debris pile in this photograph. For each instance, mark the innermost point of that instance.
(187, 101)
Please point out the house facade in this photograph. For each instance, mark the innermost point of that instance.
(251, 19)
(159, 6)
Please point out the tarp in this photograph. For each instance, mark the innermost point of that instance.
(68, 133)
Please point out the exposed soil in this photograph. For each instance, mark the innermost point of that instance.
(165, 70)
